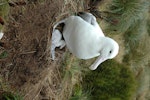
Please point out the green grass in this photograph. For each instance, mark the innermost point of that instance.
(111, 81)
(6, 93)
(80, 94)
(4, 10)
(71, 74)
(136, 44)
(148, 25)
(114, 81)
(10, 96)
(127, 14)
(3, 55)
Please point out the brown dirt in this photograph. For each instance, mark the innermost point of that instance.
(28, 68)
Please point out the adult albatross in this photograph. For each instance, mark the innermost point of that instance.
(84, 39)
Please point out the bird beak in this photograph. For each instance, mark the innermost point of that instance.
(98, 61)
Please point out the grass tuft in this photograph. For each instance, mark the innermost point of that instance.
(111, 81)
(11, 96)
(6, 93)
(127, 13)
(80, 94)
(4, 55)
(71, 75)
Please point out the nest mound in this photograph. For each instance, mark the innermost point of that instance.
(28, 67)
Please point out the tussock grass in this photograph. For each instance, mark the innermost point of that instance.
(80, 94)
(138, 59)
(111, 81)
(133, 17)
(127, 14)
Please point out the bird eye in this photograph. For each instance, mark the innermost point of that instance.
(110, 51)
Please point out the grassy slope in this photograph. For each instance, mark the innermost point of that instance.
(72, 74)
(136, 40)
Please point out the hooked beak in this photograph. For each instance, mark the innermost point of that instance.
(98, 61)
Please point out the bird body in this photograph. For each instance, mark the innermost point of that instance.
(85, 39)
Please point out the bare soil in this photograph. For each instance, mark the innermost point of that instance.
(28, 68)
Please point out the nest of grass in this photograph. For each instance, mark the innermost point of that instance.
(28, 67)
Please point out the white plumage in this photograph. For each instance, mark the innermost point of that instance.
(85, 39)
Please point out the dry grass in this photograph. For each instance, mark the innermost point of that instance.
(28, 67)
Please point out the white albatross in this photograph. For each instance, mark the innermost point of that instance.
(84, 39)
